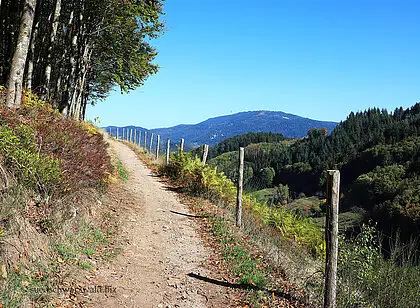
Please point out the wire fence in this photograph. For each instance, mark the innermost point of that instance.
(154, 145)
(147, 140)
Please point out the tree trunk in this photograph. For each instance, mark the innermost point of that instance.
(81, 102)
(75, 65)
(62, 85)
(76, 99)
(17, 69)
(31, 58)
(50, 48)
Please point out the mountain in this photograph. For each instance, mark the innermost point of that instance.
(215, 130)
(377, 153)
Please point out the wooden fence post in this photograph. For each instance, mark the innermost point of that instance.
(331, 238)
(139, 137)
(122, 135)
(131, 135)
(151, 143)
(117, 133)
(145, 140)
(240, 188)
(168, 148)
(135, 136)
(157, 146)
(205, 153)
(181, 146)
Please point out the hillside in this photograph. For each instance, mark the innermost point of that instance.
(377, 153)
(215, 130)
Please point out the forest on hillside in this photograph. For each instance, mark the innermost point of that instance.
(376, 151)
(72, 53)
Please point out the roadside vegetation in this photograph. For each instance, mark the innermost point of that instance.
(53, 217)
(363, 267)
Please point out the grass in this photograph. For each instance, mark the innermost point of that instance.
(299, 229)
(305, 207)
(367, 279)
(245, 267)
(350, 220)
(86, 265)
(263, 195)
(47, 160)
(122, 171)
(23, 282)
(87, 242)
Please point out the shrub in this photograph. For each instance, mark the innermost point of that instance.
(19, 153)
(189, 172)
(367, 279)
(299, 229)
(76, 146)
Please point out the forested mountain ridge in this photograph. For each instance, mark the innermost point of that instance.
(215, 130)
(377, 152)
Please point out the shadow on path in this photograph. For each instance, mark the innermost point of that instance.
(246, 287)
(192, 216)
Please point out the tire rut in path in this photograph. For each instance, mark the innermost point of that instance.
(162, 248)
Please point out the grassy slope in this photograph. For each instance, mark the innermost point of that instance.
(54, 214)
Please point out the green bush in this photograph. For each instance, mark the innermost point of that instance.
(367, 279)
(299, 229)
(189, 172)
(20, 154)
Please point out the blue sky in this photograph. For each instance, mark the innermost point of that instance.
(320, 59)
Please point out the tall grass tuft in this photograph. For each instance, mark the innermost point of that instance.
(368, 279)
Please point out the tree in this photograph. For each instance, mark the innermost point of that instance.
(75, 52)
(15, 82)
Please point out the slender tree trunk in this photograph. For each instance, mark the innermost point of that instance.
(76, 99)
(62, 84)
(50, 48)
(17, 69)
(75, 60)
(30, 72)
(81, 102)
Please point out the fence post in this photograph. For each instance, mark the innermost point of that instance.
(168, 148)
(151, 143)
(181, 146)
(145, 140)
(135, 136)
(331, 238)
(117, 133)
(139, 137)
(157, 146)
(240, 188)
(205, 153)
(131, 135)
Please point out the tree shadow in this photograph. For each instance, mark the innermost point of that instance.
(241, 286)
(174, 189)
(189, 215)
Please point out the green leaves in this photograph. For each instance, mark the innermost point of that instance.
(19, 153)
(123, 55)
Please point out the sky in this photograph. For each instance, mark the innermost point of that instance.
(319, 59)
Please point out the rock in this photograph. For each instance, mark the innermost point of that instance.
(3, 271)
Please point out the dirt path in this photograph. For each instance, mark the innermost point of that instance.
(162, 248)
